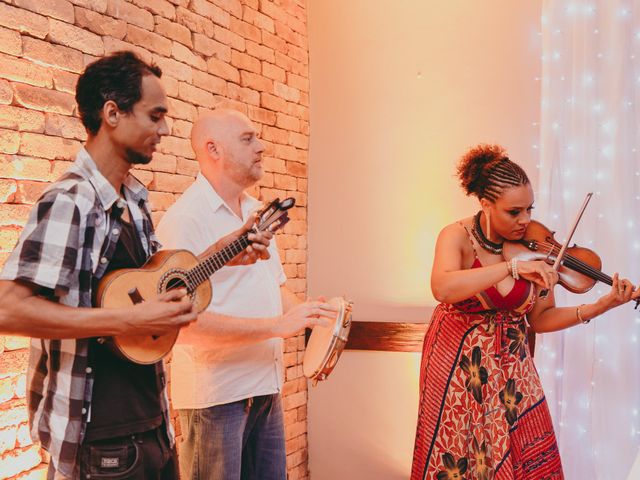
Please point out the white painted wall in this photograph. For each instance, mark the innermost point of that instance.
(399, 91)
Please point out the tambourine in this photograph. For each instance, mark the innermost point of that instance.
(326, 343)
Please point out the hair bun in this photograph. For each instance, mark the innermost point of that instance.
(474, 167)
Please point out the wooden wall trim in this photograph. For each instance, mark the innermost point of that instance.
(386, 336)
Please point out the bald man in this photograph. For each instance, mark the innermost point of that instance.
(227, 369)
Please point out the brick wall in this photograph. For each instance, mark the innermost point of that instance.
(251, 55)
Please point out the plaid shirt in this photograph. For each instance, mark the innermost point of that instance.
(69, 239)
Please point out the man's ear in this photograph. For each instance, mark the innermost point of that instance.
(213, 149)
(110, 113)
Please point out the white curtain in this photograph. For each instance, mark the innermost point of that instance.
(590, 137)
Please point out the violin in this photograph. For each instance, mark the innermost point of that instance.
(580, 267)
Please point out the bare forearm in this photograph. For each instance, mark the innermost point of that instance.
(41, 318)
(217, 329)
(452, 287)
(559, 318)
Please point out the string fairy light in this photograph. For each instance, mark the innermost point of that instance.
(589, 142)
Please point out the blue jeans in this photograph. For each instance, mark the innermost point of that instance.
(242, 440)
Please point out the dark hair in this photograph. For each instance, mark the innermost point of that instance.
(486, 171)
(116, 77)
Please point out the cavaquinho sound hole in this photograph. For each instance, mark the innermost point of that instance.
(175, 279)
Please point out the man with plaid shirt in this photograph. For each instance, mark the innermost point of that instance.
(97, 414)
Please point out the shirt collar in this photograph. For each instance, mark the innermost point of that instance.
(104, 190)
(247, 203)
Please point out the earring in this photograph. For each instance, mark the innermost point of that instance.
(488, 215)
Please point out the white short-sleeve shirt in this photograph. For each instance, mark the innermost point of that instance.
(206, 376)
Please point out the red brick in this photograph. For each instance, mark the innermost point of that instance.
(273, 72)
(24, 71)
(29, 191)
(211, 48)
(257, 82)
(185, 55)
(274, 165)
(262, 115)
(9, 141)
(151, 41)
(194, 22)
(302, 269)
(6, 92)
(178, 109)
(161, 163)
(246, 30)
(175, 69)
(298, 54)
(181, 128)
(296, 256)
(10, 42)
(113, 45)
(65, 81)
(8, 188)
(60, 9)
(63, 126)
(172, 30)
(100, 24)
(298, 82)
(8, 240)
(16, 118)
(161, 200)
(271, 102)
(296, 169)
(245, 62)
(20, 461)
(130, 14)
(12, 166)
(260, 51)
(232, 6)
(196, 96)
(75, 37)
(12, 214)
(43, 99)
(287, 122)
(172, 183)
(299, 140)
(275, 135)
(285, 91)
(209, 82)
(274, 42)
(45, 53)
(300, 197)
(285, 152)
(271, 10)
(23, 21)
(211, 11)
(176, 146)
(258, 19)
(158, 7)
(226, 36)
(99, 6)
(296, 227)
(44, 146)
(8, 439)
(187, 167)
(222, 69)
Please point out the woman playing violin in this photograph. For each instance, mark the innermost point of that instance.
(483, 413)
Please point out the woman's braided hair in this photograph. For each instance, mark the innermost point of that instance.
(486, 171)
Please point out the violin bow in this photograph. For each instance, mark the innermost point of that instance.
(560, 257)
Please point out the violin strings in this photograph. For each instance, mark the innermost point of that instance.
(571, 261)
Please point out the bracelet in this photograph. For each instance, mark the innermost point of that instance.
(514, 268)
(579, 315)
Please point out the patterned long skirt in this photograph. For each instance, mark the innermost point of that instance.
(483, 414)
